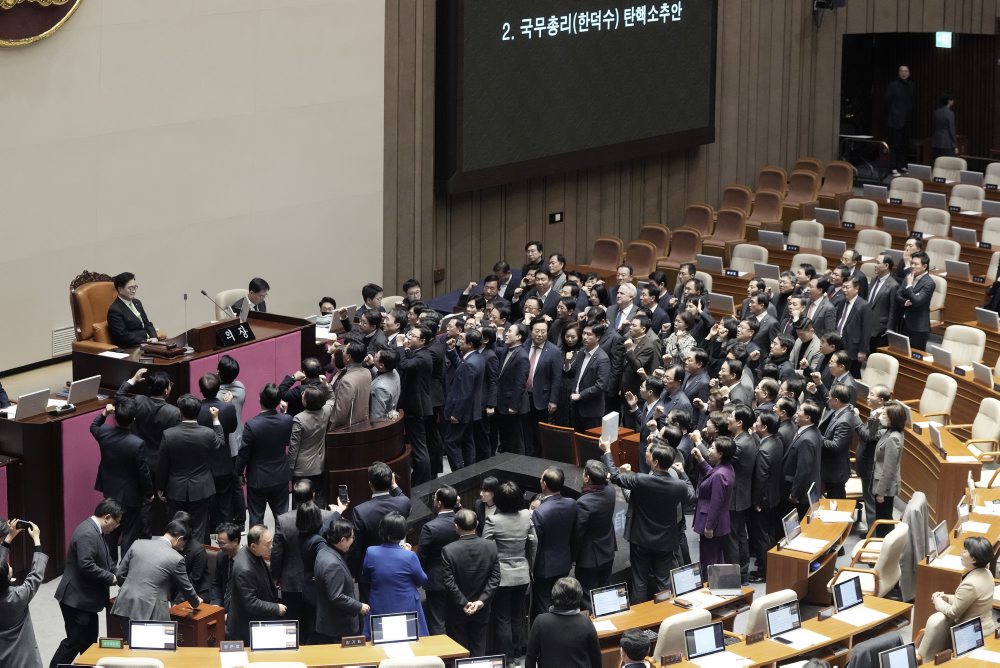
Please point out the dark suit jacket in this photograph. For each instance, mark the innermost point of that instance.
(613, 316)
(366, 517)
(293, 395)
(237, 306)
(287, 556)
(438, 351)
(221, 461)
(862, 281)
(593, 383)
(125, 329)
(152, 418)
(253, 596)
(219, 591)
(766, 489)
(554, 522)
(336, 609)
(613, 344)
(824, 319)
(594, 541)
(490, 377)
(917, 316)
(4, 400)
(512, 398)
(415, 369)
(651, 521)
(262, 452)
(697, 386)
(857, 332)
(183, 472)
(883, 305)
(547, 381)
(89, 571)
(743, 466)
(471, 572)
(766, 331)
(434, 535)
(465, 392)
(645, 354)
(838, 431)
(801, 465)
(122, 473)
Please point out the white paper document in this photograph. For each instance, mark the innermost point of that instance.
(832, 516)
(234, 659)
(859, 615)
(395, 650)
(802, 638)
(992, 509)
(807, 545)
(702, 599)
(985, 655)
(929, 423)
(111, 353)
(951, 562)
(604, 625)
(721, 660)
(962, 459)
(975, 527)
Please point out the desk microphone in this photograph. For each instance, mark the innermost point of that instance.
(217, 305)
(185, 320)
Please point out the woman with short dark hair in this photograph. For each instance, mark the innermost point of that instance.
(562, 637)
(485, 505)
(711, 515)
(394, 573)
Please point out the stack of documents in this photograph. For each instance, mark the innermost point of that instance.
(859, 615)
(802, 638)
(807, 545)
(831, 516)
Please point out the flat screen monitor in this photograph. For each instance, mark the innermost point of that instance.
(940, 537)
(783, 618)
(827, 216)
(982, 374)
(991, 208)
(152, 635)
(492, 661)
(609, 600)
(942, 357)
(790, 523)
(725, 580)
(398, 627)
(877, 193)
(704, 640)
(814, 495)
(274, 635)
(764, 270)
(833, 247)
(967, 636)
(971, 178)
(964, 236)
(897, 225)
(934, 200)
(244, 309)
(957, 269)
(988, 318)
(899, 343)
(31, 404)
(771, 239)
(896, 255)
(847, 594)
(899, 657)
(721, 303)
(686, 579)
(919, 171)
(708, 263)
(862, 391)
(83, 390)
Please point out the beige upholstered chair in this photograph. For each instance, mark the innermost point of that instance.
(772, 285)
(948, 168)
(868, 269)
(706, 280)
(967, 197)
(992, 176)
(937, 398)
(940, 249)
(966, 344)
(872, 242)
(907, 189)
(885, 572)
(389, 303)
(817, 261)
(805, 234)
(932, 221)
(757, 617)
(861, 212)
(744, 256)
(670, 637)
(938, 299)
(227, 298)
(991, 231)
(982, 437)
(881, 369)
(699, 217)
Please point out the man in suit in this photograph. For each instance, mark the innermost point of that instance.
(642, 351)
(554, 521)
(434, 536)
(369, 330)
(543, 384)
(801, 462)
(754, 287)
(151, 569)
(882, 300)
(257, 292)
(227, 537)
(854, 324)
(651, 525)
(673, 396)
(416, 366)
(512, 396)
(546, 293)
(439, 353)
(122, 474)
(594, 541)
(785, 409)
(852, 260)
(221, 460)
(613, 344)
(651, 411)
(352, 387)
(291, 394)
(128, 324)
(83, 590)
(657, 314)
(471, 574)
(740, 420)
(589, 373)
(337, 609)
(913, 302)
(505, 281)
(838, 275)
(730, 377)
(464, 403)
(696, 380)
(837, 427)
(820, 311)
(253, 595)
(806, 347)
(386, 497)
(184, 478)
(767, 325)
(624, 308)
(261, 458)
(839, 370)
(765, 492)
(18, 646)
(385, 385)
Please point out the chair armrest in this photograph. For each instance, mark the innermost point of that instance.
(861, 571)
(876, 523)
(946, 417)
(92, 346)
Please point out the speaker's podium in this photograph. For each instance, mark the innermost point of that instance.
(204, 626)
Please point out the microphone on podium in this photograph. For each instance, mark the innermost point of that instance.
(217, 304)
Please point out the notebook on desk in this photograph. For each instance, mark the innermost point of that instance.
(784, 625)
(609, 600)
(274, 635)
(967, 636)
(152, 635)
(29, 405)
(794, 540)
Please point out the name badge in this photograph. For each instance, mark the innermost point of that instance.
(847, 225)
(895, 200)
(938, 179)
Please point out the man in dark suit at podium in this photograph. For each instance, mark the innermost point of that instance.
(257, 292)
(128, 324)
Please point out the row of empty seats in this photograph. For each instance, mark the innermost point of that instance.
(963, 195)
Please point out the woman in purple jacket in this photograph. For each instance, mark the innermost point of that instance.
(711, 515)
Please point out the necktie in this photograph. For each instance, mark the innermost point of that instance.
(874, 291)
(843, 317)
(812, 309)
(583, 367)
(531, 368)
(135, 311)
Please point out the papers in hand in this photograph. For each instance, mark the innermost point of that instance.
(859, 615)
(830, 516)
(807, 545)
(604, 625)
(113, 354)
(395, 650)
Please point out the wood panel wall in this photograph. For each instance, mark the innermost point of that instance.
(778, 94)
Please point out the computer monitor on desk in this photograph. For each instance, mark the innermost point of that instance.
(711, 264)
(896, 225)
(934, 200)
(721, 303)
(83, 390)
(964, 236)
(274, 635)
(916, 171)
(827, 216)
(152, 635)
(877, 193)
(771, 239)
(31, 404)
(791, 526)
(686, 579)
(899, 657)
(967, 636)
(971, 178)
(609, 600)
(940, 539)
(988, 319)
(899, 343)
(782, 619)
(957, 269)
(399, 627)
(991, 208)
(764, 270)
(847, 594)
(704, 640)
(833, 247)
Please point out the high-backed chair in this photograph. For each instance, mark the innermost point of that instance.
(90, 295)
(745, 255)
(805, 234)
(658, 235)
(838, 177)
(685, 244)
(938, 300)
(641, 255)
(706, 280)
(412, 662)
(872, 242)
(756, 617)
(994, 267)
(937, 398)
(932, 221)
(389, 303)
(885, 572)
(939, 249)
(736, 196)
(907, 189)
(868, 269)
(966, 344)
(699, 217)
(607, 253)
(948, 167)
(992, 175)
(817, 261)
(772, 178)
(766, 212)
(991, 231)
(803, 187)
(730, 225)
(556, 443)
(881, 369)
(861, 212)
(670, 637)
(772, 285)
(586, 446)
(967, 197)
(808, 164)
(225, 299)
(982, 437)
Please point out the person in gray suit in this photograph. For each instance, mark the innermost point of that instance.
(864, 457)
(820, 310)
(253, 594)
(148, 573)
(18, 647)
(913, 301)
(837, 427)
(83, 590)
(882, 300)
(944, 141)
(740, 421)
(337, 610)
(888, 453)
(307, 448)
(385, 385)
(184, 478)
(801, 461)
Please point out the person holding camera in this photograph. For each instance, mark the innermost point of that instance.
(18, 646)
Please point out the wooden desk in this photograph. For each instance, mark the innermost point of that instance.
(913, 376)
(788, 569)
(945, 189)
(311, 655)
(841, 637)
(992, 351)
(992, 644)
